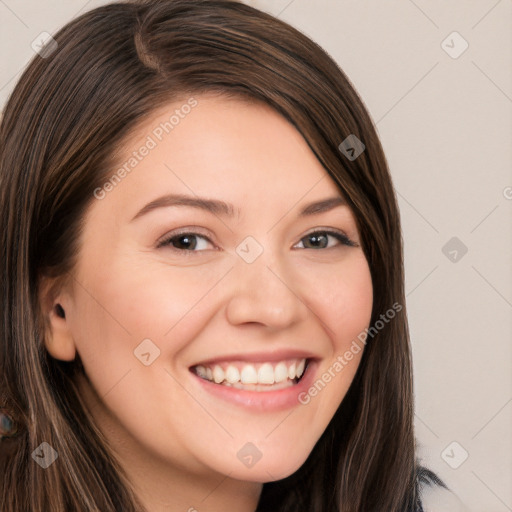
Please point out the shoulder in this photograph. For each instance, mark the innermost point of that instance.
(436, 496)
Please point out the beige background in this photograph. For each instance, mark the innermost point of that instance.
(446, 127)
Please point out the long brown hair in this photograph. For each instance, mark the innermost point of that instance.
(71, 109)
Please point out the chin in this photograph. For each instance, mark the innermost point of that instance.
(269, 470)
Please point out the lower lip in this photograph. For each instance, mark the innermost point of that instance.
(263, 400)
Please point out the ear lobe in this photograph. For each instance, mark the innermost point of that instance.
(58, 338)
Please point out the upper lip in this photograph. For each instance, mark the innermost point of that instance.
(259, 357)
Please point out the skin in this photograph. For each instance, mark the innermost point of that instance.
(177, 442)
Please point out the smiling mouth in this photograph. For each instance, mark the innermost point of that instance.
(264, 376)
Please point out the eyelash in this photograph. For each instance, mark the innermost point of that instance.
(340, 236)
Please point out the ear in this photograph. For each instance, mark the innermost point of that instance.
(54, 302)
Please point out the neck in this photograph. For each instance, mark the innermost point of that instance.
(182, 492)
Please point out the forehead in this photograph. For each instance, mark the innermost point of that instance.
(214, 144)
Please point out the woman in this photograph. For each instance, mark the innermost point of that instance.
(271, 369)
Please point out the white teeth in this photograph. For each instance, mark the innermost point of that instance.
(232, 374)
(266, 374)
(201, 371)
(249, 375)
(300, 368)
(218, 374)
(280, 372)
(239, 374)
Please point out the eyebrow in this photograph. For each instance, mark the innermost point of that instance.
(218, 207)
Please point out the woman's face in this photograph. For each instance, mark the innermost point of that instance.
(184, 311)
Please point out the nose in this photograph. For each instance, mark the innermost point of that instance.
(263, 292)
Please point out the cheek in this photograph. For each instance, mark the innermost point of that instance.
(344, 302)
(127, 303)
(344, 306)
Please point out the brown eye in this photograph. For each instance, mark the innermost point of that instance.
(185, 242)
